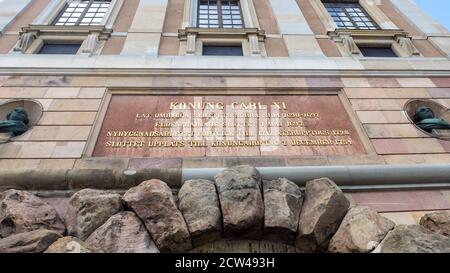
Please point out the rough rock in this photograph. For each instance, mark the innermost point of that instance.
(413, 239)
(122, 233)
(154, 203)
(323, 209)
(88, 209)
(438, 222)
(282, 205)
(199, 203)
(70, 245)
(29, 242)
(241, 201)
(360, 232)
(21, 211)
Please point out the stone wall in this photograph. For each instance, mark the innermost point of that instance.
(71, 106)
(209, 216)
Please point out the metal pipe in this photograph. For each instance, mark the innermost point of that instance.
(351, 177)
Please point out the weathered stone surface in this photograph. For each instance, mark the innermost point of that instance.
(29, 242)
(438, 222)
(122, 233)
(413, 239)
(282, 206)
(323, 209)
(21, 211)
(360, 232)
(241, 202)
(153, 202)
(88, 209)
(70, 245)
(200, 206)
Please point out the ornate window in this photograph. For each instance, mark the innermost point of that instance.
(70, 27)
(83, 13)
(350, 16)
(219, 14)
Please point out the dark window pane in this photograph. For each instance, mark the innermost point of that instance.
(60, 49)
(222, 50)
(377, 52)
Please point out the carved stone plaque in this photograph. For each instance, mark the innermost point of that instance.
(199, 126)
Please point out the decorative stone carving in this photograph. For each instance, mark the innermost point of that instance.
(407, 45)
(91, 44)
(255, 49)
(349, 44)
(24, 43)
(16, 122)
(191, 44)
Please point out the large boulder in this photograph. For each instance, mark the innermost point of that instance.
(70, 245)
(360, 232)
(282, 205)
(88, 209)
(438, 222)
(413, 239)
(199, 203)
(323, 209)
(21, 211)
(154, 203)
(29, 242)
(122, 233)
(241, 201)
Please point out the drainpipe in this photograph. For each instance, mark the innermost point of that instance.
(349, 178)
(354, 177)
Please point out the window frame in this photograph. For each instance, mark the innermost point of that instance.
(372, 10)
(343, 6)
(82, 16)
(349, 41)
(219, 15)
(55, 7)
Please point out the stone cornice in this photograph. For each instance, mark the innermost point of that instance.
(41, 30)
(221, 33)
(141, 65)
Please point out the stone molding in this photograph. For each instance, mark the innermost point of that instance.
(252, 37)
(33, 37)
(348, 40)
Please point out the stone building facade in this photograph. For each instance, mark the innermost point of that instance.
(80, 69)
